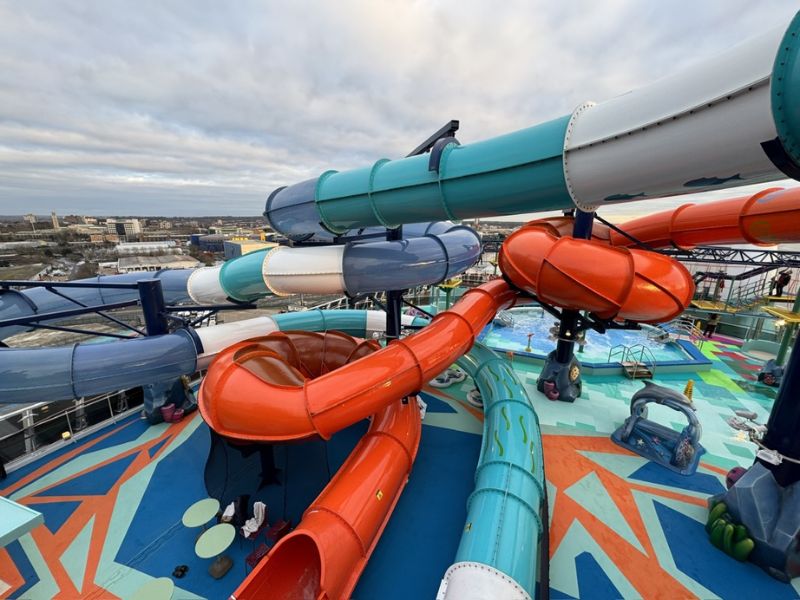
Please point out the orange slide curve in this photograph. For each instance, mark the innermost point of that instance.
(325, 555)
(243, 401)
(594, 276)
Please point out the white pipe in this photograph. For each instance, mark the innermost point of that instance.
(219, 337)
(314, 270)
(706, 123)
(476, 581)
(204, 287)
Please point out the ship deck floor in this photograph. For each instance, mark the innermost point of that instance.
(620, 526)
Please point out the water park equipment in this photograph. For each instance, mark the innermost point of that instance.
(79, 370)
(499, 553)
(730, 121)
(239, 405)
(771, 373)
(677, 451)
(330, 547)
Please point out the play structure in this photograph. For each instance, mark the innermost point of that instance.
(729, 121)
(679, 451)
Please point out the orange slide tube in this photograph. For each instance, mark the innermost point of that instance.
(594, 276)
(238, 404)
(325, 555)
(768, 217)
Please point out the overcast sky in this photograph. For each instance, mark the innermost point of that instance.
(193, 107)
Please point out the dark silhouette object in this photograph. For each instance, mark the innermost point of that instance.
(780, 281)
(711, 326)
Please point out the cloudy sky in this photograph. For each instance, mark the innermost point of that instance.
(195, 107)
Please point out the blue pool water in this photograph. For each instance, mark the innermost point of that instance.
(596, 350)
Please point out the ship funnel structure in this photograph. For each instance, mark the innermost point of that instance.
(729, 121)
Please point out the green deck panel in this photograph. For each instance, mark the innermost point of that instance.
(16, 520)
(590, 493)
(76, 555)
(563, 574)
(740, 450)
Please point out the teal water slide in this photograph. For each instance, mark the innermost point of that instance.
(499, 550)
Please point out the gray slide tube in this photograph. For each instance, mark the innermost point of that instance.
(22, 303)
(68, 372)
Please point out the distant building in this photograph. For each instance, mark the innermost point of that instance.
(225, 230)
(164, 224)
(89, 220)
(30, 218)
(54, 218)
(129, 228)
(130, 264)
(237, 248)
(208, 243)
(150, 247)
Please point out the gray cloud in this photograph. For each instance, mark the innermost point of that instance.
(197, 107)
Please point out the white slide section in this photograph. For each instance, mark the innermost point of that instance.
(706, 124)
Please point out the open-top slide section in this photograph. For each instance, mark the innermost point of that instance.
(325, 555)
(238, 404)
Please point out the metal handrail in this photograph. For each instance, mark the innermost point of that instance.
(628, 355)
(642, 349)
(620, 349)
(56, 416)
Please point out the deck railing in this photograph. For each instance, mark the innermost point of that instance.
(36, 428)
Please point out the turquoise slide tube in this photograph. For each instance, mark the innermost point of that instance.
(351, 322)
(509, 174)
(504, 512)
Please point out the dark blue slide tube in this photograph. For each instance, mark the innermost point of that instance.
(21, 303)
(67, 372)
(428, 254)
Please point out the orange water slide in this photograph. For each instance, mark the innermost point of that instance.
(541, 259)
(249, 395)
(769, 217)
(325, 555)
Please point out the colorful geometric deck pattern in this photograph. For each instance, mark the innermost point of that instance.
(620, 526)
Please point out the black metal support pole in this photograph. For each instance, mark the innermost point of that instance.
(394, 298)
(153, 308)
(783, 427)
(582, 229)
